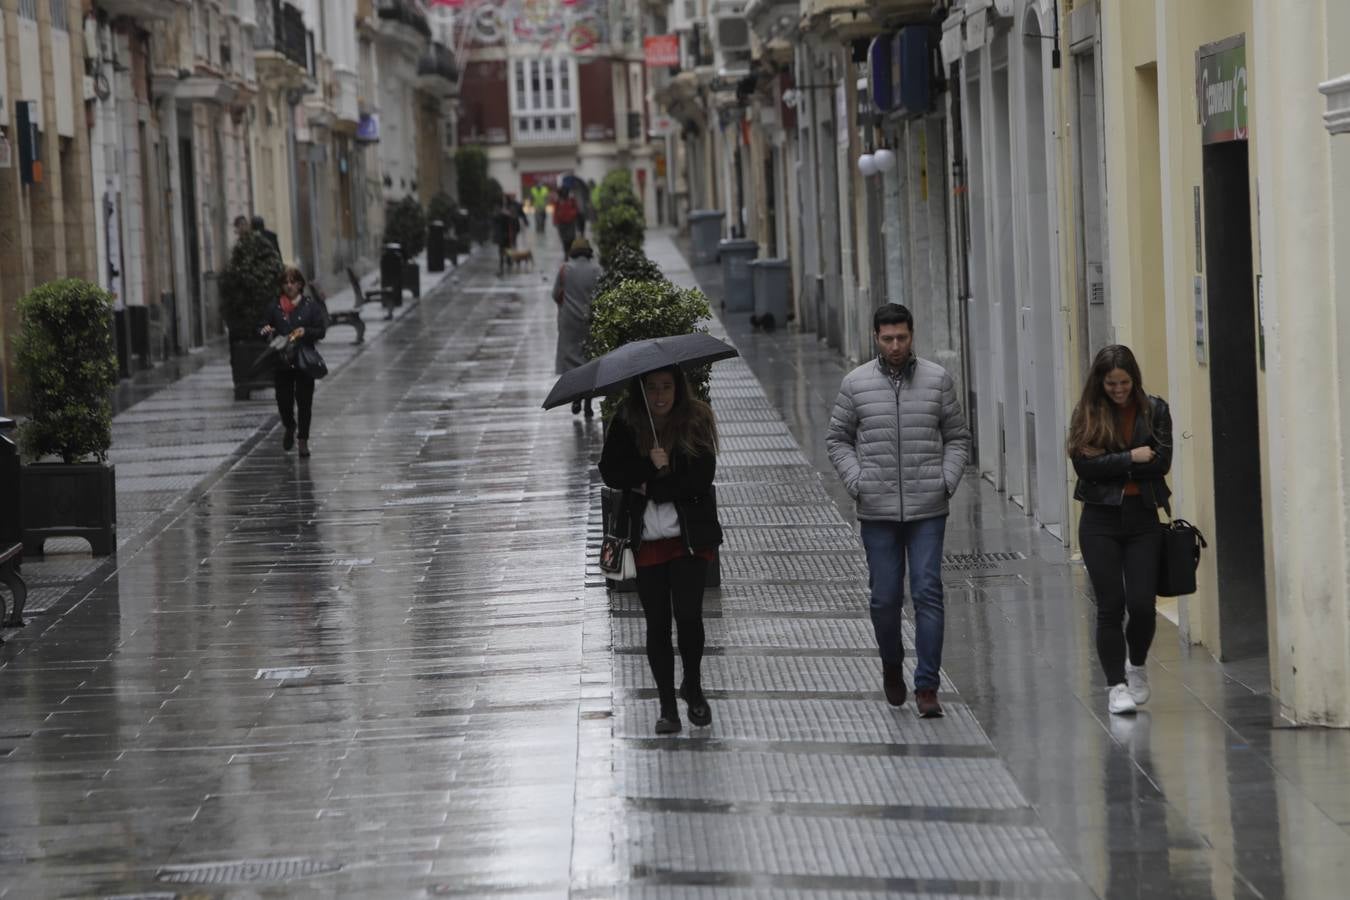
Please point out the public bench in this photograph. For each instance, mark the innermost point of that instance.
(10, 557)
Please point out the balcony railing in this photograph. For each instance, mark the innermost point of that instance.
(436, 70)
(405, 12)
(545, 128)
(281, 29)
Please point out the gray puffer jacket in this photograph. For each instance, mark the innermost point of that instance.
(901, 452)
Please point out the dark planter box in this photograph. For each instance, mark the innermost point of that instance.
(69, 500)
(242, 356)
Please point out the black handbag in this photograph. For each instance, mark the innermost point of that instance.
(309, 361)
(1178, 557)
(616, 553)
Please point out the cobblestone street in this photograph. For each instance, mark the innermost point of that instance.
(394, 669)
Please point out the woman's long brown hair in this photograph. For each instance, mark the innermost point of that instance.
(689, 427)
(1094, 425)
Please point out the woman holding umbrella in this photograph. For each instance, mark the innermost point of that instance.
(662, 450)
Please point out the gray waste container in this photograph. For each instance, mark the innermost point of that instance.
(738, 291)
(705, 230)
(773, 286)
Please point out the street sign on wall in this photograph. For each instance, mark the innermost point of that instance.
(662, 50)
(1221, 90)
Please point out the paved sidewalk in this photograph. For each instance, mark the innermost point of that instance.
(175, 430)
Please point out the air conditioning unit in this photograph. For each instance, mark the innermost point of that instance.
(732, 34)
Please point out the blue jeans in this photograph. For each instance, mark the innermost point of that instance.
(887, 545)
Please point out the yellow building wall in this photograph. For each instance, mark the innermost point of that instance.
(1150, 108)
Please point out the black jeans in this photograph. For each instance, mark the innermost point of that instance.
(676, 586)
(1120, 548)
(294, 388)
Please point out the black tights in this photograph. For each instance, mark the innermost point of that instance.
(1120, 548)
(294, 388)
(677, 587)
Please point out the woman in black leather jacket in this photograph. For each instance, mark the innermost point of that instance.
(1120, 442)
(295, 314)
(673, 524)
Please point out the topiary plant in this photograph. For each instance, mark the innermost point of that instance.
(67, 364)
(637, 310)
(251, 280)
(406, 225)
(627, 263)
(618, 227)
(471, 177)
(615, 190)
(441, 208)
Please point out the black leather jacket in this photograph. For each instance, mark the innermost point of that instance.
(688, 483)
(1102, 479)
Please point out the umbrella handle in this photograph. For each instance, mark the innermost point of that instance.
(647, 406)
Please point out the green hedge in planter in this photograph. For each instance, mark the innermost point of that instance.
(627, 263)
(615, 190)
(406, 225)
(251, 280)
(637, 310)
(619, 227)
(441, 209)
(67, 363)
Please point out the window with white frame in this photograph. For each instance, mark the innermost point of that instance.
(28, 10)
(544, 100)
(59, 19)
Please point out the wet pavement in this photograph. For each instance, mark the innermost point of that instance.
(393, 670)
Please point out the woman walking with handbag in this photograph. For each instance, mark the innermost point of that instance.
(662, 449)
(304, 322)
(1120, 442)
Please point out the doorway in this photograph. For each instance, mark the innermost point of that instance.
(188, 174)
(1239, 546)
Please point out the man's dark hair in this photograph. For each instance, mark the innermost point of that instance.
(891, 314)
(258, 223)
(240, 220)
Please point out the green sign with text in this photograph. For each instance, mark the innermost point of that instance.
(1221, 90)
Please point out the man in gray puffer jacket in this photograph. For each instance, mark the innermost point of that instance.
(900, 444)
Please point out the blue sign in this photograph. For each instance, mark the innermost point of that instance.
(368, 128)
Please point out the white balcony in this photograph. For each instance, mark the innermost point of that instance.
(345, 104)
(541, 129)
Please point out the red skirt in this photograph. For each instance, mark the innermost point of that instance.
(656, 553)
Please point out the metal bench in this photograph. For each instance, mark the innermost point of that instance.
(350, 317)
(10, 557)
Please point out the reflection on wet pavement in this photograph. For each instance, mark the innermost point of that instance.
(393, 670)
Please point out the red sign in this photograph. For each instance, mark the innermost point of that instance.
(663, 50)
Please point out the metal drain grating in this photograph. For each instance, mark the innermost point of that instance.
(247, 871)
(971, 562)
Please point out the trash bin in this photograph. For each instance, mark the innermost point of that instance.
(772, 279)
(436, 246)
(705, 230)
(738, 291)
(391, 276)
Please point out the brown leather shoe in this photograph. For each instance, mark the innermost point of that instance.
(893, 682)
(926, 701)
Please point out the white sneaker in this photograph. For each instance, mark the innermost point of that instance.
(1137, 679)
(1120, 702)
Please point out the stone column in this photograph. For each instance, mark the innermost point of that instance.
(1304, 184)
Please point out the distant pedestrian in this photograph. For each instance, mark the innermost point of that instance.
(504, 232)
(241, 227)
(518, 211)
(565, 219)
(673, 524)
(584, 210)
(573, 290)
(539, 196)
(899, 442)
(260, 227)
(303, 319)
(1120, 442)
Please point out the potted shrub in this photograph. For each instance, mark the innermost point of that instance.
(67, 363)
(406, 225)
(616, 189)
(251, 280)
(627, 263)
(619, 226)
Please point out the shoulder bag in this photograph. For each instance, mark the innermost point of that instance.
(1178, 557)
(617, 561)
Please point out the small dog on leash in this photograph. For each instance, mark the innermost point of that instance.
(517, 259)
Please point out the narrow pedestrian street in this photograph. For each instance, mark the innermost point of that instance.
(394, 670)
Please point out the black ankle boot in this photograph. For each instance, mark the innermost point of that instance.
(700, 714)
(669, 721)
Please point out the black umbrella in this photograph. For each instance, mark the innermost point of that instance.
(618, 366)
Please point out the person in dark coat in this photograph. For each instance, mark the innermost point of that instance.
(301, 318)
(565, 219)
(662, 450)
(1120, 443)
(260, 227)
(504, 227)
